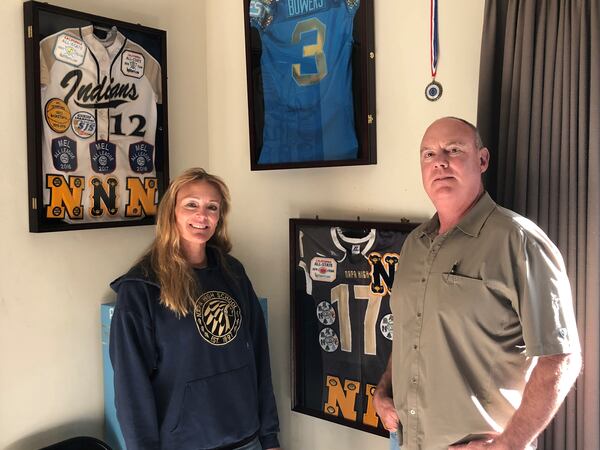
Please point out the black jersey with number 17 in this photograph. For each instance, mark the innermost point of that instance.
(348, 276)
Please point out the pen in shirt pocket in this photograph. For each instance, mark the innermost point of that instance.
(453, 268)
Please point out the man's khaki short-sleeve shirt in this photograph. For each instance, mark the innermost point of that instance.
(471, 307)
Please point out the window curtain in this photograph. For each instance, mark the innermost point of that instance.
(539, 114)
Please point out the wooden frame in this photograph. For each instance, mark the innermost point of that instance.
(97, 137)
(341, 273)
(303, 112)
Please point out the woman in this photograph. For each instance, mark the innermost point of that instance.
(188, 341)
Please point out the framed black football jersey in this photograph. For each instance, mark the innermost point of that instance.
(341, 276)
(96, 119)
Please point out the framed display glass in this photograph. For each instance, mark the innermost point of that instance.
(97, 137)
(311, 83)
(341, 276)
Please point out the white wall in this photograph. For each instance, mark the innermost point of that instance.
(51, 285)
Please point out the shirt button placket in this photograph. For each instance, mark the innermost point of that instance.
(413, 417)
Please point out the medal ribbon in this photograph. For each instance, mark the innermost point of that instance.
(433, 37)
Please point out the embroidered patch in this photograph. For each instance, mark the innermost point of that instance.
(132, 64)
(328, 340)
(69, 191)
(325, 313)
(323, 269)
(64, 154)
(58, 115)
(103, 156)
(260, 12)
(70, 49)
(218, 317)
(83, 124)
(140, 157)
(386, 326)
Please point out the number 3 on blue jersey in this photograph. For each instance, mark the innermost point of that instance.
(312, 50)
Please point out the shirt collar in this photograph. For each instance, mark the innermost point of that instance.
(97, 44)
(472, 221)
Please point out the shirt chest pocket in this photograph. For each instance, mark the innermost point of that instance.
(467, 301)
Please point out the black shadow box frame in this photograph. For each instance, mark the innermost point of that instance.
(341, 274)
(288, 146)
(146, 180)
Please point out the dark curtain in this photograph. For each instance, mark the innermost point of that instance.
(538, 112)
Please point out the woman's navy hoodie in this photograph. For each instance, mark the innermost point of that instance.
(202, 381)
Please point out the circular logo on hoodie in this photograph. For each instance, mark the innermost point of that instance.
(218, 317)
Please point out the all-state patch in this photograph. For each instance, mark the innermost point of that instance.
(323, 269)
(132, 64)
(69, 49)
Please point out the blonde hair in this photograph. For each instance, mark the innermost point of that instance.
(178, 286)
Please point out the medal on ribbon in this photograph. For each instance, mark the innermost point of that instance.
(434, 90)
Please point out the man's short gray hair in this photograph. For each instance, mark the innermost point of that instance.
(478, 141)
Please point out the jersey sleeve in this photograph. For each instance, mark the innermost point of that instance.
(45, 55)
(133, 356)
(317, 255)
(302, 261)
(153, 72)
(545, 305)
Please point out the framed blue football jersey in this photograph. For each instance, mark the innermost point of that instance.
(342, 275)
(306, 100)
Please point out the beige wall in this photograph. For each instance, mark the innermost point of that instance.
(51, 285)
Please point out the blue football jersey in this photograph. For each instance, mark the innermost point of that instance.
(307, 79)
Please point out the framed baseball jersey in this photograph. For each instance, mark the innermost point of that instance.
(341, 278)
(97, 119)
(311, 83)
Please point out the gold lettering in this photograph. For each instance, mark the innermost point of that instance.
(339, 398)
(142, 198)
(65, 196)
(370, 416)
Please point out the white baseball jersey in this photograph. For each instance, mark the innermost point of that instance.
(99, 100)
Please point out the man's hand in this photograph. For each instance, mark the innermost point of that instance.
(382, 400)
(387, 412)
(550, 380)
(491, 443)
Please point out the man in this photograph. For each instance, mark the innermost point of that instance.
(485, 343)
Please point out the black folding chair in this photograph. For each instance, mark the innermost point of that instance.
(79, 443)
